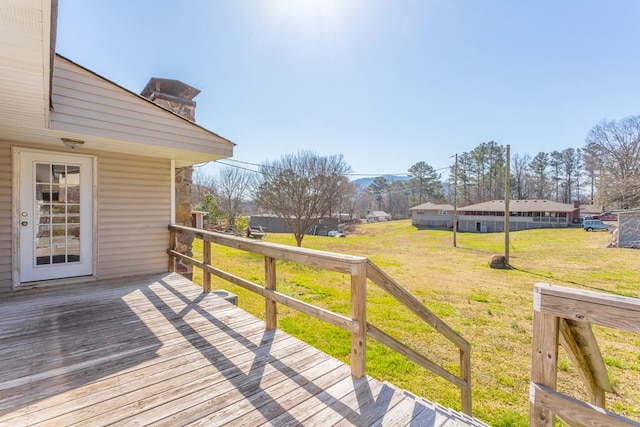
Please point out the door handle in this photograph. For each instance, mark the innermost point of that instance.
(25, 223)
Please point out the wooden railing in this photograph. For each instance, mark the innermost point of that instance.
(564, 316)
(359, 269)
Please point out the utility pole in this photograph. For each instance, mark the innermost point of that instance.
(455, 202)
(507, 198)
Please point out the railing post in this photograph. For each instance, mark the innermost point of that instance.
(172, 247)
(465, 374)
(206, 276)
(544, 363)
(271, 310)
(359, 315)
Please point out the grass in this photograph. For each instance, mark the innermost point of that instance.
(492, 309)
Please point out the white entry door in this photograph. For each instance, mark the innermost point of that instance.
(56, 216)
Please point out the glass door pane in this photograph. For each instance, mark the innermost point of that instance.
(57, 202)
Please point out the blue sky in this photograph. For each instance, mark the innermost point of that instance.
(386, 83)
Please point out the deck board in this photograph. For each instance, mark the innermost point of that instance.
(155, 350)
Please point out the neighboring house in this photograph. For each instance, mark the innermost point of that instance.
(629, 228)
(432, 215)
(589, 210)
(91, 174)
(378, 216)
(273, 224)
(525, 214)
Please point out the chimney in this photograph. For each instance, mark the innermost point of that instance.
(576, 204)
(178, 97)
(172, 95)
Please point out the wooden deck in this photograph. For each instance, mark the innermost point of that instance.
(156, 350)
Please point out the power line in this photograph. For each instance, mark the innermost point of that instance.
(237, 167)
(347, 174)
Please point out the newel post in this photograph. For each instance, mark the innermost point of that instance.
(465, 374)
(544, 360)
(359, 317)
(271, 311)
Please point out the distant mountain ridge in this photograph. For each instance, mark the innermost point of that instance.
(365, 182)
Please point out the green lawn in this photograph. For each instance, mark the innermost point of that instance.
(491, 308)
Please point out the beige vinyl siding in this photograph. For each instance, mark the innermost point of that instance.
(87, 104)
(5, 217)
(134, 210)
(24, 68)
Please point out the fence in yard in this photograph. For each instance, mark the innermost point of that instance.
(563, 316)
(360, 270)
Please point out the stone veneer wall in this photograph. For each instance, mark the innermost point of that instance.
(628, 231)
(184, 181)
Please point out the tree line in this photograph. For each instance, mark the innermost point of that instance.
(300, 187)
(605, 171)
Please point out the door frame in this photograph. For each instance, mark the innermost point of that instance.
(16, 219)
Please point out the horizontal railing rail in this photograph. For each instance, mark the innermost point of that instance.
(563, 316)
(358, 268)
(380, 278)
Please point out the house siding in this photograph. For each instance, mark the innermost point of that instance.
(524, 215)
(432, 219)
(493, 224)
(132, 224)
(89, 105)
(5, 217)
(134, 210)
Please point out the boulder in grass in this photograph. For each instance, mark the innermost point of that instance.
(498, 261)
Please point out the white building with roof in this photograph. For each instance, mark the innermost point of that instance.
(378, 216)
(432, 215)
(523, 215)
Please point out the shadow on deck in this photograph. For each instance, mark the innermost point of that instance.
(156, 350)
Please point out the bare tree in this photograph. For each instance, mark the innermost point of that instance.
(204, 195)
(346, 197)
(300, 188)
(592, 158)
(233, 188)
(204, 185)
(618, 142)
(362, 201)
(520, 176)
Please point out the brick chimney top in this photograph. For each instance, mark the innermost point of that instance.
(173, 95)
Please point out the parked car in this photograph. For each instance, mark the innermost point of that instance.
(608, 216)
(594, 225)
